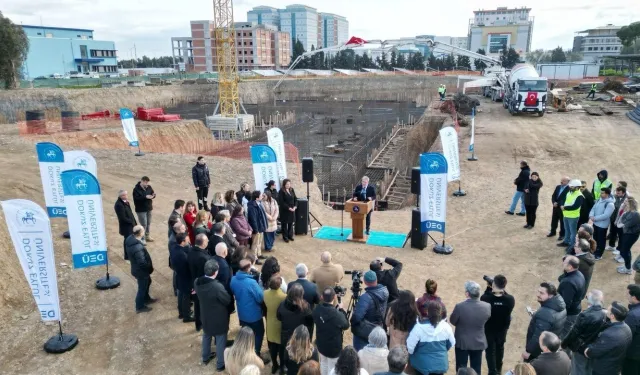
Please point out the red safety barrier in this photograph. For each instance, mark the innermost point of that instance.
(165, 118)
(146, 113)
(97, 115)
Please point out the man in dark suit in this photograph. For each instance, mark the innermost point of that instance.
(197, 258)
(217, 236)
(365, 192)
(126, 220)
(559, 194)
(310, 289)
(178, 253)
(221, 253)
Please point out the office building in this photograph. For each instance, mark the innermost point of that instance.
(312, 28)
(257, 47)
(61, 51)
(596, 44)
(493, 29)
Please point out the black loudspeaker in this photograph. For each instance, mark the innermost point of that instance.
(415, 180)
(302, 217)
(307, 170)
(418, 239)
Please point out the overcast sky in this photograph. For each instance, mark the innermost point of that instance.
(151, 23)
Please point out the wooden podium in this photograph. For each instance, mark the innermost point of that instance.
(358, 211)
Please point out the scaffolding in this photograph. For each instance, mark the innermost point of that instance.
(225, 48)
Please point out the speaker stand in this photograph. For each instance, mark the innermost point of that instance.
(459, 192)
(310, 214)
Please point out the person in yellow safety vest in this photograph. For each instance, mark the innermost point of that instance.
(571, 214)
(592, 92)
(441, 91)
(601, 182)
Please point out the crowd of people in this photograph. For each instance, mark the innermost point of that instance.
(215, 253)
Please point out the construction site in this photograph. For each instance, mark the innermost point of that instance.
(351, 126)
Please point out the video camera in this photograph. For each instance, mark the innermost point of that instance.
(356, 282)
(488, 279)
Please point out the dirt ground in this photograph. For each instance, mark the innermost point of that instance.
(114, 340)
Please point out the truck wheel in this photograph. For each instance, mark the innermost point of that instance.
(540, 114)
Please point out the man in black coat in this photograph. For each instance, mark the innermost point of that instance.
(588, 326)
(143, 196)
(363, 193)
(141, 268)
(520, 182)
(609, 350)
(587, 205)
(331, 322)
(178, 253)
(126, 220)
(571, 288)
(552, 360)
(557, 199)
(631, 364)
(496, 328)
(201, 181)
(221, 253)
(176, 216)
(310, 289)
(388, 277)
(214, 309)
(197, 258)
(217, 236)
(550, 317)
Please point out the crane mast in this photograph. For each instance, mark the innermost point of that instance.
(224, 39)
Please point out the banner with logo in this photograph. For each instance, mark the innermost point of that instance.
(473, 130)
(86, 218)
(265, 166)
(276, 142)
(449, 138)
(30, 233)
(433, 192)
(81, 160)
(129, 127)
(51, 162)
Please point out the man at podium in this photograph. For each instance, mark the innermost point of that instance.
(365, 192)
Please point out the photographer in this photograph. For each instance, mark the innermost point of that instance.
(387, 278)
(495, 329)
(369, 310)
(330, 321)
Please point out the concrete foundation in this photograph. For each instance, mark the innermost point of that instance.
(239, 127)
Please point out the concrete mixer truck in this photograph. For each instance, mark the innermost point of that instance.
(526, 91)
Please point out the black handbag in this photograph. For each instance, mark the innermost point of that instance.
(364, 328)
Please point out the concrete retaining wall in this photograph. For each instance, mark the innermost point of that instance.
(14, 103)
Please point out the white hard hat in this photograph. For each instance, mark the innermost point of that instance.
(575, 183)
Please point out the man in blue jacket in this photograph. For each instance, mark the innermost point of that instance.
(249, 298)
(258, 220)
(370, 308)
(365, 192)
(600, 217)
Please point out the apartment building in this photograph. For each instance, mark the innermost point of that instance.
(492, 29)
(596, 44)
(302, 23)
(61, 50)
(257, 46)
(333, 30)
(264, 15)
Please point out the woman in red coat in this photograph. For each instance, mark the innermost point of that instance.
(190, 218)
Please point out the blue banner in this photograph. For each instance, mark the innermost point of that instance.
(433, 192)
(86, 218)
(265, 166)
(129, 127)
(51, 162)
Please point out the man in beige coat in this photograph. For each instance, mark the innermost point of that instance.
(328, 274)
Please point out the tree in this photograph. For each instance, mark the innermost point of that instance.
(401, 61)
(536, 57)
(298, 50)
(632, 49)
(14, 46)
(574, 56)
(628, 34)
(479, 64)
(394, 59)
(384, 63)
(464, 62)
(557, 55)
(418, 61)
(432, 62)
(450, 62)
(509, 57)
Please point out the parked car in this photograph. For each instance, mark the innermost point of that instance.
(40, 78)
(633, 84)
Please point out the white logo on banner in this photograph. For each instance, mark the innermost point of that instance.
(264, 165)
(51, 162)
(30, 232)
(433, 192)
(276, 142)
(449, 138)
(129, 127)
(81, 160)
(86, 218)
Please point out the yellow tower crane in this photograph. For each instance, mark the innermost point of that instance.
(224, 37)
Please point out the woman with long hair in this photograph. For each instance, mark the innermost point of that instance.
(348, 363)
(272, 299)
(272, 211)
(201, 224)
(585, 232)
(429, 342)
(299, 350)
(431, 288)
(240, 226)
(218, 204)
(288, 205)
(234, 261)
(190, 213)
(630, 224)
(271, 268)
(402, 316)
(230, 200)
(242, 353)
(294, 311)
(531, 190)
(373, 357)
(224, 216)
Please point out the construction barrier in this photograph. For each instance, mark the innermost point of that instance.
(36, 122)
(634, 115)
(70, 121)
